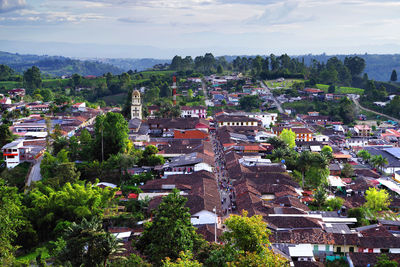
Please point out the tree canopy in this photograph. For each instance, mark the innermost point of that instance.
(377, 200)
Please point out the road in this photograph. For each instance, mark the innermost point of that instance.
(355, 100)
(278, 105)
(35, 175)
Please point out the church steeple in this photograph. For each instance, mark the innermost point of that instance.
(136, 105)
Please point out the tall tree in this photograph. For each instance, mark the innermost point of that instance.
(32, 78)
(355, 64)
(379, 161)
(170, 231)
(249, 102)
(87, 244)
(111, 135)
(10, 221)
(393, 77)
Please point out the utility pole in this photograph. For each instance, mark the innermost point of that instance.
(215, 229)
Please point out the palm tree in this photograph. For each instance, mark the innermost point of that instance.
(379, 162)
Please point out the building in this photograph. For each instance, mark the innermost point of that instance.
(136, 105)
(193, 112)
(302, 134)
(227, 120)
(20, 151)
(267, 119)
(362, 130)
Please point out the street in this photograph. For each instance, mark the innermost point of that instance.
(278, 105)
(35, 175)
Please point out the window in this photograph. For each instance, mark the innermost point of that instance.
(315, 247)
(338, 249)
(351, 249)
(326, 247)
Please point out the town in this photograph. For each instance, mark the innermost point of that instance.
(291, 172)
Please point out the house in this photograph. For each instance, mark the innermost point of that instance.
(267, 119)
(392, 155)
(21, 150)
(190, 134)
(228, 120)
(189, 163)
(16, 92)
(38, 108)
(5, 101)
(79, 107)
(302, 134)
(362, 130)
(163, 125)
(193, 112)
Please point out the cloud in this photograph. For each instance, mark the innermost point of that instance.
(132, 20)
(280, 14)
(10, 5)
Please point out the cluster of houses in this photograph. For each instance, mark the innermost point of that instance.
(32, 131)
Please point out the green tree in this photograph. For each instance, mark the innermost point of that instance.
(32, 79)
(377, 200)
(379, 162)
(331, 89)
(76, 80)
(355, 64)
(346, 110)
(320, 196)
(220, 69)
(383, 261)
(5, 135)
(327, 152)
(10, 222)
(111, 135)
(50, 210)
(334, 203)
(359, 214)
(364, 154)
(289, 137)
(5, 72)
(347, 170)
(87, 244)
(393, 76)
(170, 231)
(249, 102)
(248, 236)
(276, 142)
(184, 260)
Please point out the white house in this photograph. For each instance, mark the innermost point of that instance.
(11, 153)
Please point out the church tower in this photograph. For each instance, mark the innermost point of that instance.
(136, 106)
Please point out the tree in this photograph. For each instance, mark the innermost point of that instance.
(347, 170)
(5, 72)
(248, 236)
(383, 261)
(249, 102)
(5, 135)
(170, 231)
(377, 200)
(320, 196)
(276, 142)
(393, 77)
(355, 64)
(379, 161)
(331, 89)
(76, 80)
(87, 244)
(220, 69)
(334, 203)
(111, 135)
(184, 260)
(327, 152)
(32, 79)
(10, 222)
(289, 137)
(50, 210)
(364, 154)
(346, 110)
(359, 214)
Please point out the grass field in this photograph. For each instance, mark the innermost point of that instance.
(342, 89)
(118, 99)
(32, 256)
(285, 84)
(6, 85)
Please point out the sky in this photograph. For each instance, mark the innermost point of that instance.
(164, 28)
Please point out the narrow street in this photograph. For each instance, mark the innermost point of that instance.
(35, 175)
(278, 105)
(224, 185)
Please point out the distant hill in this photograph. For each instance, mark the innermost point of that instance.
(138, 64)
(57, 65)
